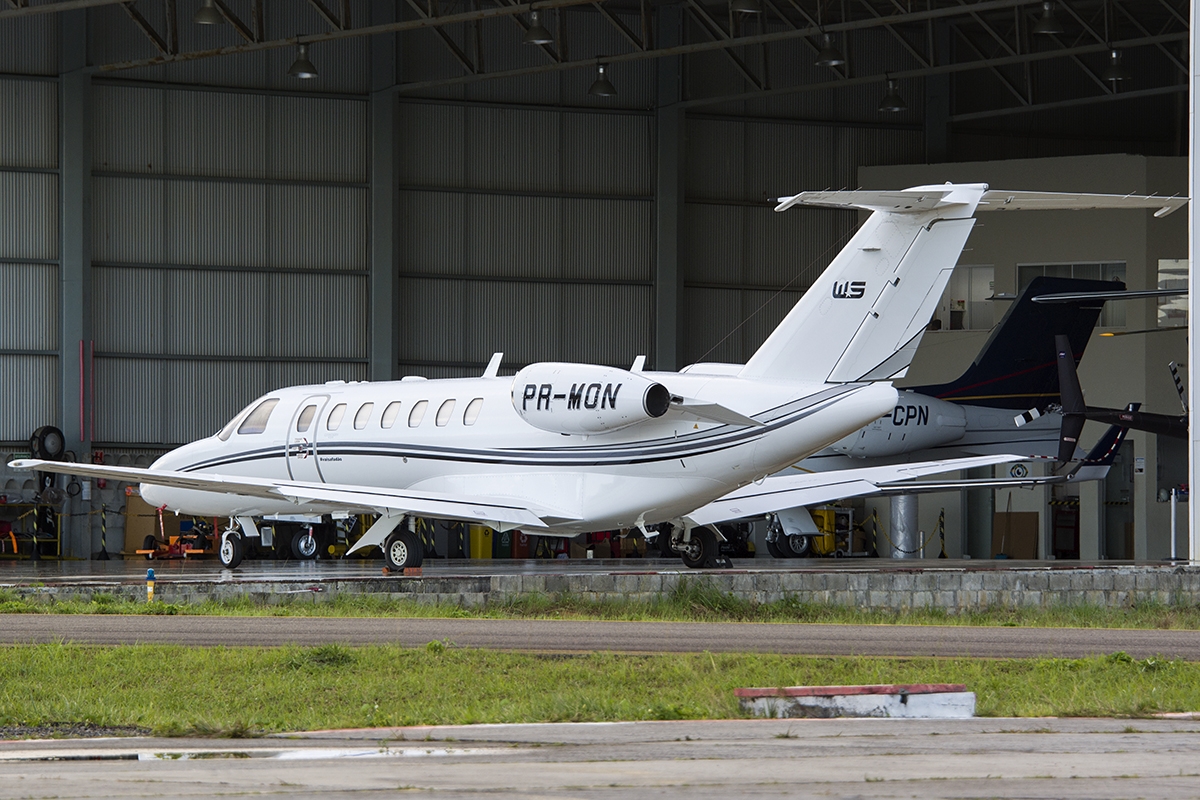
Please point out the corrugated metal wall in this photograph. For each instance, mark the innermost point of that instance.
(523, 230)
(229, 252)
(29, 247)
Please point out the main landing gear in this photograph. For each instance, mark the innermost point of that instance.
(698, 547)
(403, 550)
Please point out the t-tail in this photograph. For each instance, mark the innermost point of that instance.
(1017, 367)
(862, 319)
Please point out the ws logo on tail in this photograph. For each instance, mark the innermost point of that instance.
(849, 290)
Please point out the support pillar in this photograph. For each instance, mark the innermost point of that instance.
(75, 258)
(669, 196)
(937, 100)
(383, 334)
(905, 533)
(1193, 288)
(1091, 519)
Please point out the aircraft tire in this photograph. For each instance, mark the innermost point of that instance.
(402, 550)
(703, 548)
(304, 547)
(149, 543)
(664, 544)
(798, 545)
(231, 551)
(775, 550)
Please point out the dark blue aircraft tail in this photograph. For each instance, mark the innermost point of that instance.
(1017, 367)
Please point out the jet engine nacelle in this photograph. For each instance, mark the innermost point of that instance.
(916, 423)
(586, 398)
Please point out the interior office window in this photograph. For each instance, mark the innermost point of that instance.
(1113, 315)
(966, 303)
(1173, 274)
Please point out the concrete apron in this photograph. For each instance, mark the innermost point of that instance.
(951, 589)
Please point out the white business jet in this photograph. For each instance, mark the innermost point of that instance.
(562, 449)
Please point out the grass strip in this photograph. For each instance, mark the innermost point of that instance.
(689, 600)
(173, 690)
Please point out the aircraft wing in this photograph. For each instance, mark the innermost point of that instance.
(503, 513)
(788, 491)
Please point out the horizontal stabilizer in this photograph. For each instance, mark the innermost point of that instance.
(788, 491)
(355, 499)
(996, 200)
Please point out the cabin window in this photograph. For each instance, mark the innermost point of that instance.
(364, 414)
(417, 414)
(389, 414)
(472, 412)
(335, 417)
(257, 421)
(444, 412)
(305, 419)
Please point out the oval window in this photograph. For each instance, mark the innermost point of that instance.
(305, 419)
(335, 417)
(389, 414)
(363, 415)
(472, 412)
(444, 412)
(418, 413)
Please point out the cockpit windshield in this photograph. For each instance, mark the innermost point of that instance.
(256, 422)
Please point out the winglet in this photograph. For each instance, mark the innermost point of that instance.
(639, 364)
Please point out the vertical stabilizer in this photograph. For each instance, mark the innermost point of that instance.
(863, 317)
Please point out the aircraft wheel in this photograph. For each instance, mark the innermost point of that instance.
(232, 551)
(775, 550)
(700, 549)
(304, 545)
(149, 543)
(798, 545)
(402, 550)
(664, 544)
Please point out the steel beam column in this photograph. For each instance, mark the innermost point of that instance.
(74, 191)
(383, 201)
(937, 99)
(1193, 288)
(669, 193)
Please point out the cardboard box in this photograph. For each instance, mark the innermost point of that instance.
(141, 520)
(1015, 534)
(578, 547)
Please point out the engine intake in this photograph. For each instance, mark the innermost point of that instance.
(586, 398)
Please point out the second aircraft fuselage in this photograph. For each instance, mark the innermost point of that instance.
(465, 437)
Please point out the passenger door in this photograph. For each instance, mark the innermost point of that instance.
(302, 459)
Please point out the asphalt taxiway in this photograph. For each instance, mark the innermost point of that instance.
(605, 636)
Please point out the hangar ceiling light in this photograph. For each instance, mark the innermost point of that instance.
(602, 86)
(829, 55)
(892, 101)
(537, 33)
(208, 14)
(745, 6)
(1115, 71)
(1048, 24)
(302, 67)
